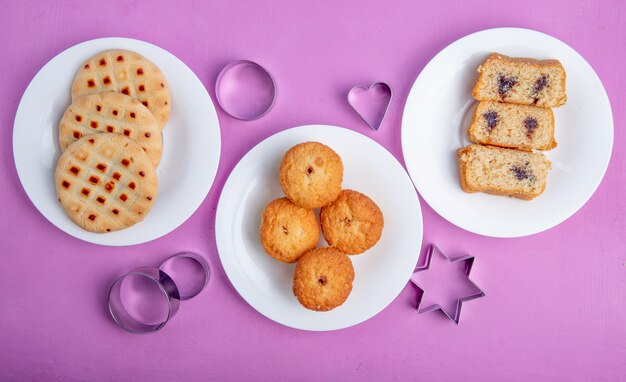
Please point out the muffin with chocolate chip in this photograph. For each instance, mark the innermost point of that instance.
(323, 279)
(311, 174)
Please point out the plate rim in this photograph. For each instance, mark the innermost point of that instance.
(21, 166)
(406, 149)
(227, 270)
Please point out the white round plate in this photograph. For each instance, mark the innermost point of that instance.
(380, 273)
(191, 142)
(436, 118)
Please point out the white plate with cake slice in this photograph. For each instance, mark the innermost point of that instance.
(191, 142)
(438, 112)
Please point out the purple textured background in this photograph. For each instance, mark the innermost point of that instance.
(556, 302)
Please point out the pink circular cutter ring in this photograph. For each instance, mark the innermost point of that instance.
(245, 90)
(145, 299)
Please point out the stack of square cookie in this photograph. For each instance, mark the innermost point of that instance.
(111, 140)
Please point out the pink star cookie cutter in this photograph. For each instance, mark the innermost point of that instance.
(455, 313)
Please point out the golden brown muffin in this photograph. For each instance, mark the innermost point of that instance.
(311, 174)
(288, 231)
(353, 223)
(323, 279)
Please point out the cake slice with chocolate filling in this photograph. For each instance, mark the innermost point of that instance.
(500, 171)
(513, 126)
(523, 81)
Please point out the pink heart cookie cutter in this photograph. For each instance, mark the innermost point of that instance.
(371, 103)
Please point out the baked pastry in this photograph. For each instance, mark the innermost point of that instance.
(112, 112)
(288, 231)
(105, 182)
(323, 279)
(128, 73)
(352, 223)
(501, 171)
(523, 81)
(514, 126)
(310, 174)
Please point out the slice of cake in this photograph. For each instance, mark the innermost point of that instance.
(523, 81)
(499, 171)
(514, 126)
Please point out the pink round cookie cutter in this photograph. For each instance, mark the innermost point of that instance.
(145, 299)
(245, 90)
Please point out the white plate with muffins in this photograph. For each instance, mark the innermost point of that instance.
(504, 115)
(310, 232)
(116, 141)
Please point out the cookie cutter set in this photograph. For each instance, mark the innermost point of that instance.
(466, 262)
(247, 91)
(145, 299)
